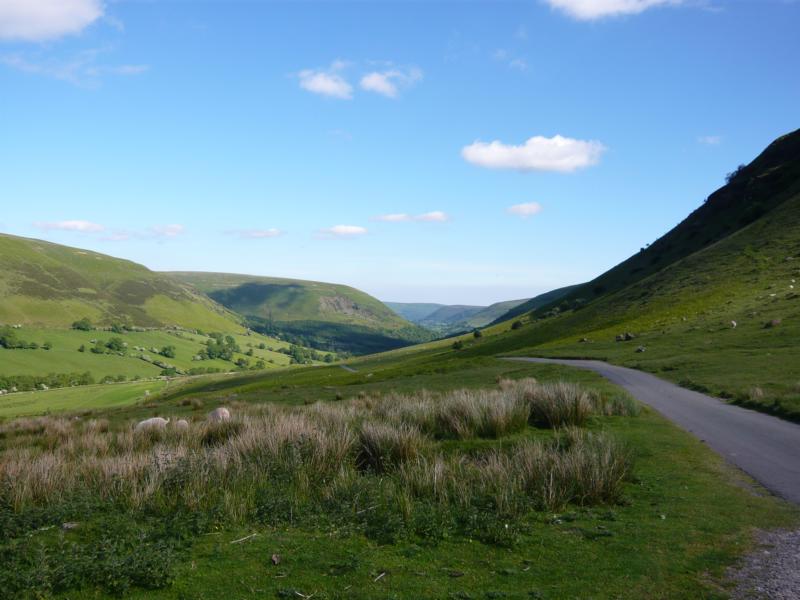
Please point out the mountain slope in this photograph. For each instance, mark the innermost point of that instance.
(751, 192)
(50, 285)
(325, 315)
(682, 316)
(534, 303)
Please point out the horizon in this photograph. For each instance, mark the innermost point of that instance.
(498, 157)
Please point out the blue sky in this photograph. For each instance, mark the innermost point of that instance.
(517, 146)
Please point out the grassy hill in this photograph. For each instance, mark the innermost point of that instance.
(325, 315)
(50, 285)
(737, 258)
(534, 303)
(447, 319)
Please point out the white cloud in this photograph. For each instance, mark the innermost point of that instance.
(327, 82)
(257, 234)
(710, 140)
(525, 210)
(71, 225)
(513, 62)
(167, 231)
(394, 218)
(81, 69)
(587, 10)
(343, 231)
(39, 20)
(558, 153)
(388, 83)
(436, 216)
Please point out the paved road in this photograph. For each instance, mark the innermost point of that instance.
(765, 447)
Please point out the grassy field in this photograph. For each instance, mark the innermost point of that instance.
(682, 517)
(64, 356)
(78, 399)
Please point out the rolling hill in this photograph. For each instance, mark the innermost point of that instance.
(51, 285)
(714, 304)
(446, 319)
(323, 315)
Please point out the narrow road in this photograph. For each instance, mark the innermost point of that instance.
(765, 447)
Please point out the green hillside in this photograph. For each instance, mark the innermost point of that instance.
(534, 303)
(50, 285)
(751, 192)
(323, 315)
(681, 315)
(492, 312)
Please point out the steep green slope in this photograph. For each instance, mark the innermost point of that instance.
(324, 315)
(452, 314)
(492, 312)
(751, 192)
(682, 316)
(534, 303)
(50, 285)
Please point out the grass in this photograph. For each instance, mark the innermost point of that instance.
(52, 285)
(78, 399)
(442, 514)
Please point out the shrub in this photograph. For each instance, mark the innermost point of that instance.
(83, 324)
(516, 325)
(383, 447)
(477, 334)
(557, 404)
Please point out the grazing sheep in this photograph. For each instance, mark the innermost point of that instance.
(219, 414)
(182, 425)
(154, 423)
(733, 324)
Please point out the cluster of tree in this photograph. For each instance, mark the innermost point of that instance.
(118, 378)
(203, 370)
(24, 383)
(83, 324)
(11, 341)
(219, 346)
(303, 356)
(167, 351)
(115, 345)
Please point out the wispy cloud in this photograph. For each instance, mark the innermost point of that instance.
(436, 216)
(525, 210)
(511, 61)
(41, 20)
(710, 140)
(342, 232)
(327, 82)
(70, 225)
(82, 69)
(167, 231)
(588, 10)
(256, 234)
(389, 82)
(558, 153)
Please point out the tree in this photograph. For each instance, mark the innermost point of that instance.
(477, 334)
(83, 324)
(47, 345)
(115, 344)
(82, 348)
(117, 328)
(516, 325)
(167, 351)
(458, 345)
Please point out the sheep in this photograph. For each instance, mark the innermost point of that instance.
(153, 423)
(182, 425)
(219, 414)
(733, 324)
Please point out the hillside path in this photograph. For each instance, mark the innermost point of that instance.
(765, 447)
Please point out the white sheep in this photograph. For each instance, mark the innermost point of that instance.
(219, 414)
(153, 423)
(182, 425)
(733, 324)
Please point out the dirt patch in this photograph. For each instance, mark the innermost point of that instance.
(772, 570)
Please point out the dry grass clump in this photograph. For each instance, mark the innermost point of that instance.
(327, 453)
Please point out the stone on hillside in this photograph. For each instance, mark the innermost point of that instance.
(641, 349)
(772, 323)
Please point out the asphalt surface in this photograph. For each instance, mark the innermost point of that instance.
(765, 447)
